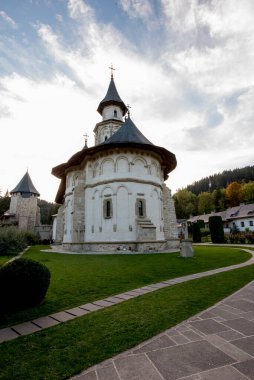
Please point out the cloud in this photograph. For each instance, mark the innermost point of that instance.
(141, 9)
(8, 20)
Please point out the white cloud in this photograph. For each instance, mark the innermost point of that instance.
(8, 20)
(141, 9)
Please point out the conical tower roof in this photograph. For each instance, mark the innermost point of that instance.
(25, 186)
(112, 97)
(128, 133)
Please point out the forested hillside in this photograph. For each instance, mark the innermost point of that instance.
(222, 180)
(216, 193)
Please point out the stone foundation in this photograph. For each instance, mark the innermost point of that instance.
(129, 246)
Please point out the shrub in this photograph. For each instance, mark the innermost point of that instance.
(216, 229)
(196, 233)
(13, 241)
(23, 283)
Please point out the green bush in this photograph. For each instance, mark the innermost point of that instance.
(23, 283)
(196, 233)
(216, 229)
(13, 241)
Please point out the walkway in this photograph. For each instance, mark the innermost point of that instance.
(216, 344)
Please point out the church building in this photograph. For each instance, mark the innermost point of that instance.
(113, 194)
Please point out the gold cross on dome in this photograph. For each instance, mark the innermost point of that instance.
(112, 69)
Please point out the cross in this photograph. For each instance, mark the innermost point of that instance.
(86, 138)
(112, 69)
(128, 112)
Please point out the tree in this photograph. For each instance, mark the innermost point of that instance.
(219, 199)
(248, 192)
(196, 233)
(234, 194)
(216, 229)
(205, 203)
(185, 203)
(4, 204)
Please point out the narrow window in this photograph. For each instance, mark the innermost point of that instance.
(115, 113)
(242, 224)
(106, 137)
(251, 222)
(107, 208)
(140, 208)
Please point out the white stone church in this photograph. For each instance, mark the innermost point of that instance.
(113, 195)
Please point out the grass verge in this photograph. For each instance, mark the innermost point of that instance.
(63, 350)
(78, 279)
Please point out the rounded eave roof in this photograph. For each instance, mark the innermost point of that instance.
(168, 159)
(112, 98)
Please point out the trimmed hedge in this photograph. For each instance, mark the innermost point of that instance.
(23, 283)
(216, 229)
(196, 233)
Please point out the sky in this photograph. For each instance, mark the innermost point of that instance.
(184, 66)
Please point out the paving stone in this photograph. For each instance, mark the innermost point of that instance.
(180, 339)
(246, 344)
(249, 315)
(7, 334)
(206, 315)
(188, 359)
(241, 305)
(231, 309)
(114, 300)
(26, 328)
(86, 376)
(209, 326)
(160, 285)
(62, 316)
(77, 311)
(217, 311)
(224, 373)
(107, 373)
(90, 307)
(191, 335)
(103, 303)
(172, 332)
(124, 296)
(242, 325)
(246, 367)
(45, 322)
(235, 352)
(230, 335)
(136, 367)
(134, 293)
(162, 341)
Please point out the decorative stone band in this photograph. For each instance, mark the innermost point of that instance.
(136, 180)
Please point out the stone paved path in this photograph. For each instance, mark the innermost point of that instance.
(29, 327)
(216, 344)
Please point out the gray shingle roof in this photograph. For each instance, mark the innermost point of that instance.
(128, 133)
(25, 186)
(112, 97)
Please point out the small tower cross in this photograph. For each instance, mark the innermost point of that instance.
(128, 112)
(112, 69)
(86, 138)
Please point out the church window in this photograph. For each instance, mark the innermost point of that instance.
(107, 208)
(115, 113)
(106, 137)
(140, 208)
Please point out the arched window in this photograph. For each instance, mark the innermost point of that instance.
(106, 137)
(115, 113)
(140, 208)
(108, 207)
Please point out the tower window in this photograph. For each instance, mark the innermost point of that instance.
(106, 137)
(115, 113)
(107, 208)
(140, 208)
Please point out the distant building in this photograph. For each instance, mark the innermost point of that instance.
(24, 211)
(113, 195)
(241, 217)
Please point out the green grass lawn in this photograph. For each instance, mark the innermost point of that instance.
(78, 279)
(66, 349)
(4, 259)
